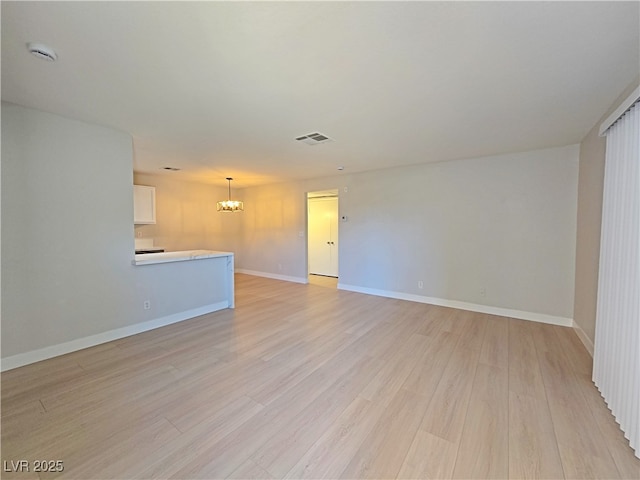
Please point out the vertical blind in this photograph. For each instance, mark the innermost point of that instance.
(616, 368)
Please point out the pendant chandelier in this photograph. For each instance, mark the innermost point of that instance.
(230, 205)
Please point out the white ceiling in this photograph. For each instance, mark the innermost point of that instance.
(223, 88)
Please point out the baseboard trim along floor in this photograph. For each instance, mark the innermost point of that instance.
(472, 307)
(274, 276)
(33, 356)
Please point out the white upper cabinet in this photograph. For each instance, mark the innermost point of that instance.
(144, 205)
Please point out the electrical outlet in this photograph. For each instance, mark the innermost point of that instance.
(420, 284)
(279, 267)
(139, 234)
(146, 304)
(483, 292)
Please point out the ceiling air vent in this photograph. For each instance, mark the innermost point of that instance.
(313, 138)
(43, 52)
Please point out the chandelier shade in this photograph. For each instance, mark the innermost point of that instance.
(230, 205)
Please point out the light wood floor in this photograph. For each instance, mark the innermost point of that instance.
(323, 281)
(302, 381)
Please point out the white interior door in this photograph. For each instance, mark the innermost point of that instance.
(323, 236)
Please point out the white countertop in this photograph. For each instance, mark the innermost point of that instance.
(166, 257)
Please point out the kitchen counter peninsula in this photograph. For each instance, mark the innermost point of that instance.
(182, 256)
(181, 274)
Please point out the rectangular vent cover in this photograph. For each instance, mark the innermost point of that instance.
(313, 138)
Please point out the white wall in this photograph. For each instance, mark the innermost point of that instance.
(505, 223)
(66, 215)
(186, 215)
(67, 242)
(274, 226)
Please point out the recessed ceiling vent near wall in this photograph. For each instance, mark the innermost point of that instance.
(43, 52)
(314, 138)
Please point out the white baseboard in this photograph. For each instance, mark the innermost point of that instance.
(474, 307)
(33, 356)
(586, 341)
(274, 276)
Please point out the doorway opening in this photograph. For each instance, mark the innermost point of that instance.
(322, 238)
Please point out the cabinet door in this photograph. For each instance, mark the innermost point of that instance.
(144, 205)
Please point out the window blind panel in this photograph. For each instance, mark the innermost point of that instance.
(616, 370)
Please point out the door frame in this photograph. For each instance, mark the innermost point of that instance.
(329, 192)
